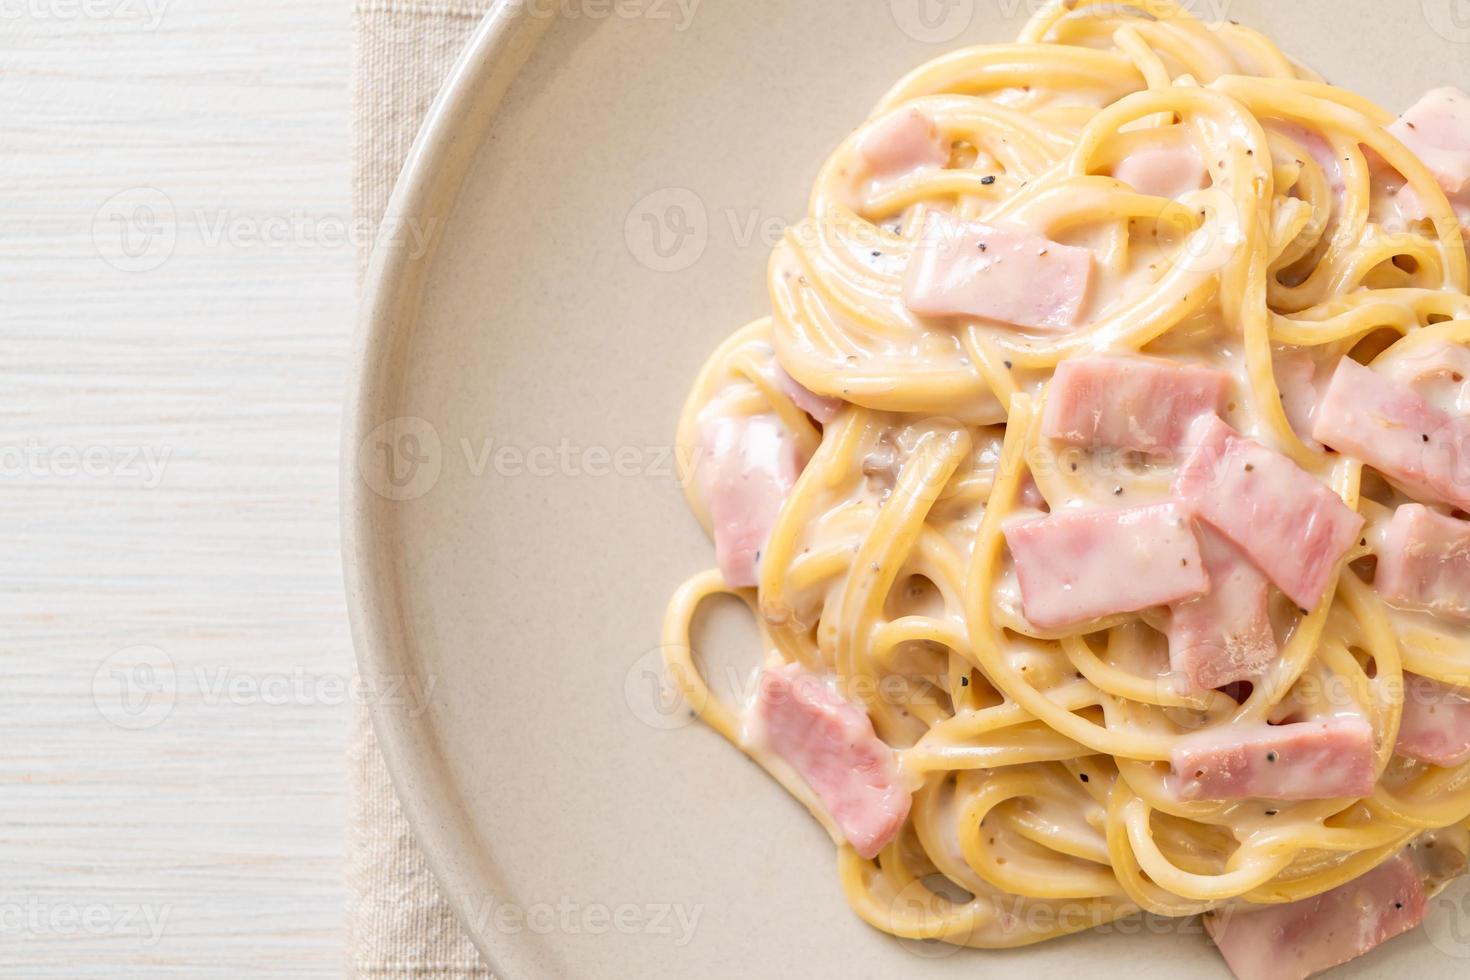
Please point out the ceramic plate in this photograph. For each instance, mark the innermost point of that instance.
(600, 184)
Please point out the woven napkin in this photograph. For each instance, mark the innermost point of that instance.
(398, 924)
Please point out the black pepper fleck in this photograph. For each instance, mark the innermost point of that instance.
(1007, 364)
(1272, 813)
(964, 682)
(982, 246)
(1271, 756)
(988, 179)
(1082, 776)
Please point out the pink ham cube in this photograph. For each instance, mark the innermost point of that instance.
(1435, 726)
(1225, 635)
(1010, 275)
(1143, 404)
(902, 142)
(1297, 939)
(1288, 523)
(823, 408)
(1424, 562)
(1163, 171)
(749, 466)
(1326, 759)
(831, 744)
(1397, 431)
(1078, 566)
(1437, 130)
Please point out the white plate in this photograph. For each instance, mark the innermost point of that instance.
(579, 831)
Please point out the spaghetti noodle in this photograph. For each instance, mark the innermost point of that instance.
(1039, 759)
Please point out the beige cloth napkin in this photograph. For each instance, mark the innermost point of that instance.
(398, 925)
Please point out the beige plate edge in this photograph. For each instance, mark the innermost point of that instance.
(428, 184)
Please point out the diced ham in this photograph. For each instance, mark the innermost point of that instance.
(1225, 635)
(1440, 372)
(823, 408)
(1143, 404)
(1318, 149)
(1297, 939)
(1424, 562)
(1412, 207)
(1310, 760)
(1077, 566)
(1437, 130)
(1163, 171)
(1296, 379)
(750, 465)
(1291, 526)
(1397, 432)
(1008, 274)
(902, 142)
(831, 744)
(1030, 496)
(1435, 726)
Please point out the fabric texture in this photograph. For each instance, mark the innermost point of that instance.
(399, 926)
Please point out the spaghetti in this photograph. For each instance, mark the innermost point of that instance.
(1039, 759)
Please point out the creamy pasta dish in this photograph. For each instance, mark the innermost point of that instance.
(1098, 483)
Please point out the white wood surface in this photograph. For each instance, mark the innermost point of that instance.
(199, 833)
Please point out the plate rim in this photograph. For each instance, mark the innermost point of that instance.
(424, 193)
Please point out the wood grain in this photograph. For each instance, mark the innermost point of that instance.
(176, 258)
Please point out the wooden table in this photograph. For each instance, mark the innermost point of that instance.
(177, 306)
